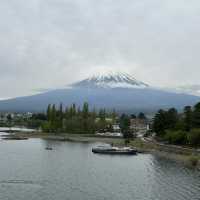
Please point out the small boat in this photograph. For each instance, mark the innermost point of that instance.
(49, 148)
(114, 150)
(14, 138)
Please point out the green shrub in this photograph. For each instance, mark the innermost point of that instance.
(194, 137)
(46, 127)
(176, 137)
(193, 161)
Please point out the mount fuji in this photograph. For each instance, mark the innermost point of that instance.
(106, 90)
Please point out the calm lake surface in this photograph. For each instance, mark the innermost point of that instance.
(71, 171)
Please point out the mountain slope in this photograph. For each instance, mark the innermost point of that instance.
(119, 91)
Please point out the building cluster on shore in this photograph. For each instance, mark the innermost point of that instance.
(8, 116)
(138, 128)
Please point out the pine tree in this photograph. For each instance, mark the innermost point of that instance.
(73, 109)
(49, 112)
(188, 118)
(85, 110)
(53, 118)
(79, 111)
(133, 116)
(102, 114)
(125, 125)
(94, 114)
(160, 122)
(114, 115)
(70, 112)
(141, 116)
(60, 116)
(196, 116)
(66, 114)
(171, 118)
(85, 116)
(61, 109)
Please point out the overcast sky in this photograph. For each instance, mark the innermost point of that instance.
(50, 43)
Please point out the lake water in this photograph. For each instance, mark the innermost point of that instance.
(72, 172)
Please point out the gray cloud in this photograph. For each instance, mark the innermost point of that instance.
(50, 43)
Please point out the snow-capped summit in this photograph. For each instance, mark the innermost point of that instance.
(111, 80)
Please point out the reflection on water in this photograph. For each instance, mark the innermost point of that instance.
(71, 171)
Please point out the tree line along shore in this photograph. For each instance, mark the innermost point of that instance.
(168, 126)
(76, 120)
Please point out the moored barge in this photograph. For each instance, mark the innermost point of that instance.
(114, 150)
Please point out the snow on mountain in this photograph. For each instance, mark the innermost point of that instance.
(111, 80)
